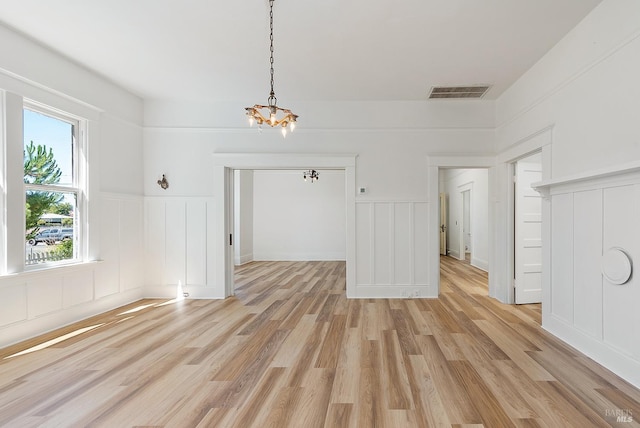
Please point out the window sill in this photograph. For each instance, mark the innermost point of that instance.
(62, 269)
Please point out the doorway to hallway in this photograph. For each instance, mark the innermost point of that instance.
(465, 214)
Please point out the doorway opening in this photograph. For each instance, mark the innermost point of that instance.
(224, 167)
(464, 209)
(279, 216)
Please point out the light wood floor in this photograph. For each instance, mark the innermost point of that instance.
(291, 351)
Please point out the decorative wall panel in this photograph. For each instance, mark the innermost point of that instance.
(392, 249)
(593, 216)
(179, 236)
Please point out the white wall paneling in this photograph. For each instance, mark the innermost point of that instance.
(14, 297)
(403, 245)
(178, 243)
(587, 295)
(39, 301)
(175, 246)
(196, 243)
(365, 233)
(44, 296)
(562, 246)
(75, 289)
(131, 242)
(383, 223)
(108, 280)
(392, 246)
(121, 245)
(621, 229)
(589, 216)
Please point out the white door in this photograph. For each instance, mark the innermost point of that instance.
(466, 223)
(528, 231)
(443, 224)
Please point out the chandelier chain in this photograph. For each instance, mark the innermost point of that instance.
(272, 96)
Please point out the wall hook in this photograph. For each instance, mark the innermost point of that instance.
(163, 183)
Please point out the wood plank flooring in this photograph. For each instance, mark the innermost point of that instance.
(291, 351)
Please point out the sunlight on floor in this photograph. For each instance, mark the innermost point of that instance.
(137, 309)
(54, 341)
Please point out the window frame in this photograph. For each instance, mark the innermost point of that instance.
(78, 186)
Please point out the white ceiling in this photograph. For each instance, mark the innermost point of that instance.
(330, 50)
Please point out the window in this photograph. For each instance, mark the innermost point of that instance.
(52, 187)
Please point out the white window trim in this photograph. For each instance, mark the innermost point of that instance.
(78, 186)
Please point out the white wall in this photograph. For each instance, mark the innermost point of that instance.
(583, 88)
(453, 182)
(243, 216)
(392, 217)
(37, 301)
(580, 102)
(295, 219)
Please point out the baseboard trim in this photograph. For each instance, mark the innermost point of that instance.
(623, 365)
(395, 291)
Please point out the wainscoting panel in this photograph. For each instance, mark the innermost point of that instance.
(403, 248)
(621, 230)
(392, 249)
(77, 289)
(121, 245)
(196, 243)
(108, 278)
(178, 245)
(594, 217)
(40, 300)
(364, 243)
(383, 243)
(587, 296)
(155, 240)
(15, 299)
(562, 257)
(131, 243)
(44, 296)
(175, 247)
(421, 237)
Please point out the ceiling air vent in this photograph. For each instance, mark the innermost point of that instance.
(475, 91)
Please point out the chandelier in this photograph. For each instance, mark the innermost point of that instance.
(311, 174)
(271, 114)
